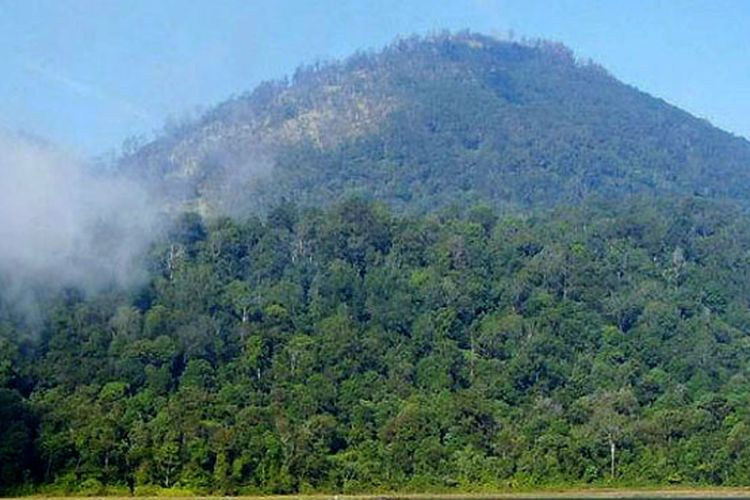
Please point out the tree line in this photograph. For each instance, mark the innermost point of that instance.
(353, 350)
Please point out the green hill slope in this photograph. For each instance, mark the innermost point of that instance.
(488, 323)
(445, 120)
(352, 350)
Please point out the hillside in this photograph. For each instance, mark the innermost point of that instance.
(352, 350)
(450, 119)
(411, 270)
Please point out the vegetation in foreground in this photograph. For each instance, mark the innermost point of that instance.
(350, 350)
(538, 493)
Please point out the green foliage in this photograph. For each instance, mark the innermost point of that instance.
(441, 121)
(16, 435)
(352, 350)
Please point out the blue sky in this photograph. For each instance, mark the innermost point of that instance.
(89, 73)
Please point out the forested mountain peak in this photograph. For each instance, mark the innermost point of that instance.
(435, 333)
(446, 119)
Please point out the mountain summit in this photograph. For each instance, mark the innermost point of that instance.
(357, 348)
(448, 119)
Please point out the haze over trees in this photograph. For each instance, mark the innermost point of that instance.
(502, 268)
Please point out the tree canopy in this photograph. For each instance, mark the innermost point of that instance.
(350, 349)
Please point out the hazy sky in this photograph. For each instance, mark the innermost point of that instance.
(89, 73)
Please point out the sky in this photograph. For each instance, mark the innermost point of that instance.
(87, 74)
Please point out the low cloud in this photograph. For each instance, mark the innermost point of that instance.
(62, 224)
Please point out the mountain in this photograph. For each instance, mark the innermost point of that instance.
(443, 120)
(319, 345)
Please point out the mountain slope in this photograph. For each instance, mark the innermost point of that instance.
(351, 350)
(354, 348)
(450, 119)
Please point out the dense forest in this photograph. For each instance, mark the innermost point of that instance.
(502, 269)
(352, 349)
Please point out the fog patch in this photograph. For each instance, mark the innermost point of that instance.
(64, 223)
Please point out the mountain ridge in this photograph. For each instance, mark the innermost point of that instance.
(348, 347)
(453, 118)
